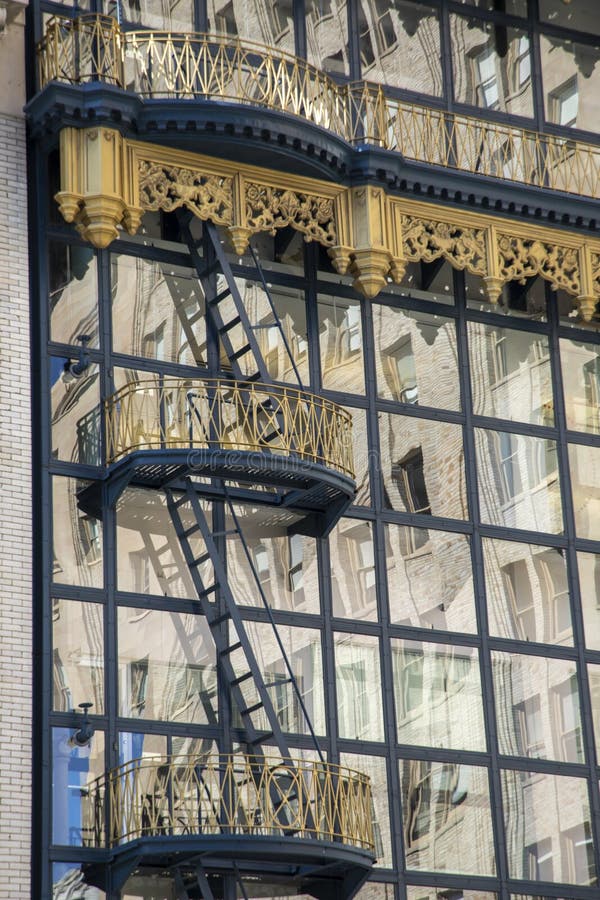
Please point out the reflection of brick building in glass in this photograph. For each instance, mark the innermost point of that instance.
(245, 221)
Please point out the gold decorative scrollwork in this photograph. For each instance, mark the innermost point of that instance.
(427, 240)
(170, 187)
(269, 208)
(595, 261)
(522, 258)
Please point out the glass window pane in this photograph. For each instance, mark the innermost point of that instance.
(290, 306)
(437, 691)
(361, 455)
(578, 16)
(527, 592)
(73, 293)
(174, 15)
(594, 679)
(571, 77)
(588, 565)
(429, 578)
(68, 881)
(537, 707)
(443, 893)
(375, 768)
(519, 301)
(149, 555)
(422, 466)
(137, 745)
(327, 35)
(77, 655)
(580, 364)
(271, 23)
(518, 481)
(416, 357)
(75, 403)
(584, 464)
(158, 311)
(73, 769)
(285, 564)
(167, 667)
(510, 374)
(358, 685)
(514, 7)
(447, 817)
(303, 650)
(492, 66)
(352, 556)
(400, 45)
(548, 833)
(76, 537)
(341, 344)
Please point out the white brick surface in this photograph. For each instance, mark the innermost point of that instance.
(15, 519)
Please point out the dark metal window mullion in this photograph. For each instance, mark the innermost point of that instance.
(573, 581)
(487, 685)
(378, 534)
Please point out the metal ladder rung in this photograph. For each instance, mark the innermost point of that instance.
(241, 678)
(206, 592)
(241, 352)
(229, 325)
(200, 559)
(252, 709)
(226, 651)
(218, 620)
(227, 533)
(220, 296)
(191, 530)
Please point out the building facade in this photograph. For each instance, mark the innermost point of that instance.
(250, 224)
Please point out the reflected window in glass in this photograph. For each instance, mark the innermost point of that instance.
(510, 374)
(547, 821)
(358, 687)
(447, 817)
(437, 689)
(518, 481)
(400, 45)
(416, 357)
(537, 704)
(422, 466)
(527, 592)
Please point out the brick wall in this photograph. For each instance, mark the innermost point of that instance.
(15, 514)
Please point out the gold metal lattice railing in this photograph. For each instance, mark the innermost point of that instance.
(217, 67)
(229, 795)
(217, 414)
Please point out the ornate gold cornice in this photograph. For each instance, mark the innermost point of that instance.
(109, 181)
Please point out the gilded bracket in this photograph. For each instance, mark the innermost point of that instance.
(108, 182)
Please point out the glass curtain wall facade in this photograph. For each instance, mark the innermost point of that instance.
(445, 635)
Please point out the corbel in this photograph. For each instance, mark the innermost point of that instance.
(394, 230)
(587, 299)
(493, 280)
(239, 232)
(91, 192)
(340, 254)
(371, 256)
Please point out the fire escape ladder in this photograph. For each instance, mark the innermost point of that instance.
(236, 314)
(234, 640)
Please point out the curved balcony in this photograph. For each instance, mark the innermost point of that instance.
(275, 820)
(269, 436)
(180, 66)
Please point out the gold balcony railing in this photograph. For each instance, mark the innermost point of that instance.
(217, 67)
(175, 413)
(229, 795)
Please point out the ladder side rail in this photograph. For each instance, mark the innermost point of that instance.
(278, 323)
